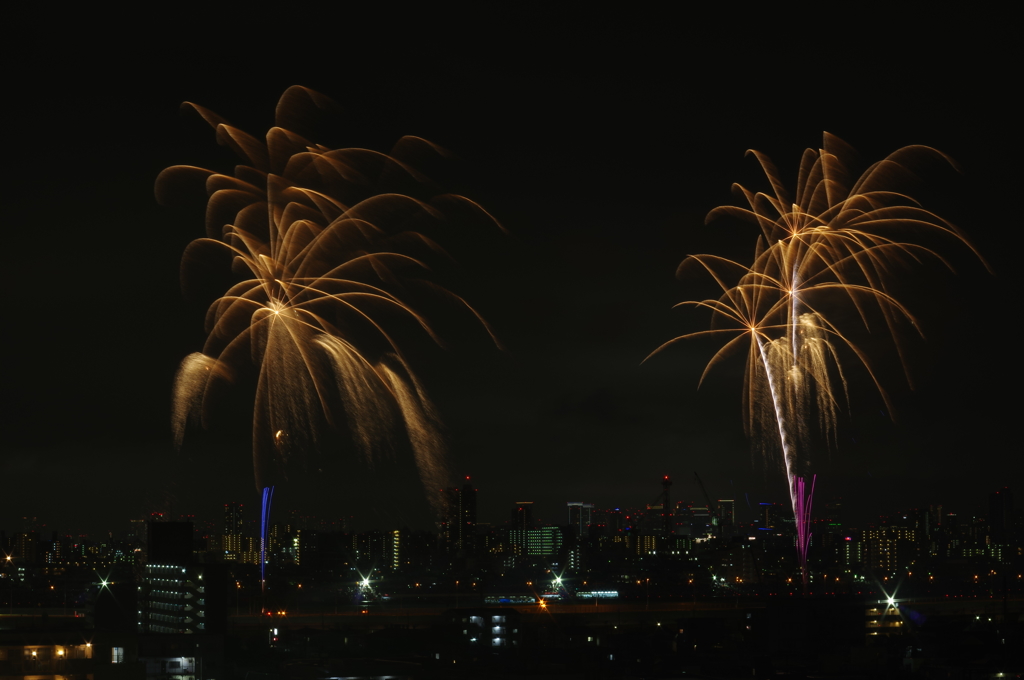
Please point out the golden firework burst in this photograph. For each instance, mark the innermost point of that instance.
(327, 245)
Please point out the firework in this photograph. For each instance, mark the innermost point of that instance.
(327, 247)
(836, 242)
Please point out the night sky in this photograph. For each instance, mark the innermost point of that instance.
(600, 145)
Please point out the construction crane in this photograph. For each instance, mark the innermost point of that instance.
(712, 508)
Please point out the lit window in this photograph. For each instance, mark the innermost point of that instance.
(117, 655)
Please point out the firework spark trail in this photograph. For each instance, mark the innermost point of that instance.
(834, 240)
(327, 245)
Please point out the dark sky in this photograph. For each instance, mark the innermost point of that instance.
(600, 144)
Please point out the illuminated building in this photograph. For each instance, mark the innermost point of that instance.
(245, 549)
(645, 544)
(700, 521)
(396, 550)
(55, 553)
(883, 619)
(888, 549)
(57, 654)
(833, 516)
(493, 629)
(458, 528)
(683, 518)
(616, 521)
(545, 541)
(580, 517)
(174, 594)
(852, 552)
(727, 516)
(372, 548)
(26, 547)
(770, 516)
(175, 599)
(522, 515)
(231, 537)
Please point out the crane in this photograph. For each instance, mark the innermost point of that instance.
(712, 508)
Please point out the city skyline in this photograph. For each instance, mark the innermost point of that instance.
(733, 515)
(602, 175)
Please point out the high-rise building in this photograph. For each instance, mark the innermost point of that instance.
(852, 551)
(833, 515)
(396, 550)
(181, 599)
(616, 521)
(727, 516)
(888, 549)
(935, 516)
(770, 516)
(700, 522)
(668, 525)
(1000, 515)
(522, 516)
(231, 544)
(683, 518)
(652, 521)
(580, 517)
(26, 547)
(233, 522)
(459, 524)
(175, 595)
(542, 542)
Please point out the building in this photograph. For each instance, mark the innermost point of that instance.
(492, 629)
(683, 518)
(231, 538)
(700, 521)
(581, 516)
(458, 528)
(615, 521)
(181, 599)
(883, 618)
(727, 516)
(668, 523)
(770, 516)
(175, 595)
(233, 522)
(522, 516)
(851, 552)
(68, 653)
(542, 542)
(26, 548)
(1000, 516)
(888, 549)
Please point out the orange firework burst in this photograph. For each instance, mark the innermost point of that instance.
(326, 245)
